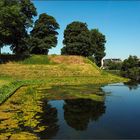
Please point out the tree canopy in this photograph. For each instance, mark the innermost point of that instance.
(98, 45)
(44, 34)
(131, 68)
(113, 65)
(15, 18)
(77, 40)
(131, 62)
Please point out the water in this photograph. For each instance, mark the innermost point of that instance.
(118, 116)
(113, 113)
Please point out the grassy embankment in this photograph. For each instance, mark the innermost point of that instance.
(51, 70)
(55, 77)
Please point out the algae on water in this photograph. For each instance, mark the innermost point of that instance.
(23, 113)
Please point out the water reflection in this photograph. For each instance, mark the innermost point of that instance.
(48, 119)
(30, 114)
(132, 85)
(79, 112)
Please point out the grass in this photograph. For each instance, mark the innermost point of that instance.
(36, 59)
(40, 78)
(4, 80)
(51, 70)
(9, 88)
(61, 66)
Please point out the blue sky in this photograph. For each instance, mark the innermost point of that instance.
(118, 20)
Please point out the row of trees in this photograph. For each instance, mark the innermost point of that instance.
(16, 17)
(131, 68)
(110, 65)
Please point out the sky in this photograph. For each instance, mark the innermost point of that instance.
(119, 21)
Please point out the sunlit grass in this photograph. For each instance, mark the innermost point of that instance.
(4, 80)
(64, 70)
(36, 59)
(8, 89)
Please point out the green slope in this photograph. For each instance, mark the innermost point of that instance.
(52, 70)
(44, 67)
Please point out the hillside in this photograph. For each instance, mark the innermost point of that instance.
(51, 71)
(51, 66)
(45, 67)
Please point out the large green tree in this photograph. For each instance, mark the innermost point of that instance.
(98, 44)
(44, 34)
(15, 18)
(77, 40)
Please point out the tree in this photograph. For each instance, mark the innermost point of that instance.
(44, 34)
(134, 73)
(131, 62)
(15, 18)
(77, 40)
(98, 44)
(113, 65)
(130, 68)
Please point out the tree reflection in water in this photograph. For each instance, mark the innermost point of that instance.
(78, 112)
(132, 85)
(30, 114)
(48, 118)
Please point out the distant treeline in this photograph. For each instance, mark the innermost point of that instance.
(129, 68)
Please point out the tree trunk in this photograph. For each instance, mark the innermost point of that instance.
(102, 63)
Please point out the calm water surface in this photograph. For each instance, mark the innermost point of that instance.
(118, 116)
